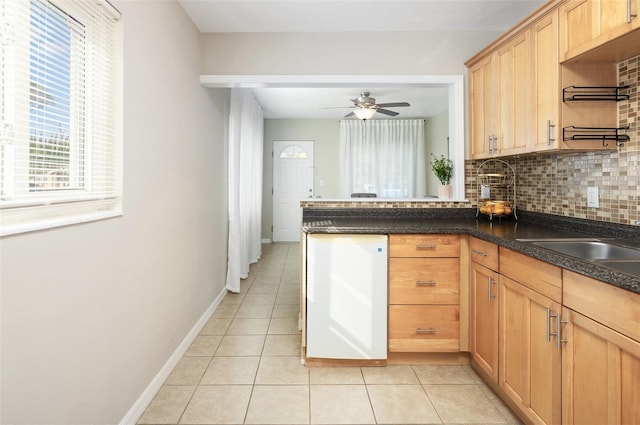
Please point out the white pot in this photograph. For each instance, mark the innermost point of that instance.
(444, 191)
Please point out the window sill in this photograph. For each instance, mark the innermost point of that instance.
(24, 220)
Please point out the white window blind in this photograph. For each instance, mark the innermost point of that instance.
(60, 114)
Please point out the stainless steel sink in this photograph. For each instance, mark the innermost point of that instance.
(590, 249)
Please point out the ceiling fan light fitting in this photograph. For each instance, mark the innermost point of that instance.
(364, 113)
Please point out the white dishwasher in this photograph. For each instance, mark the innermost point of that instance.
(347, 296)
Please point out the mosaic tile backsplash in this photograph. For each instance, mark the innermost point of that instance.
(557, 183)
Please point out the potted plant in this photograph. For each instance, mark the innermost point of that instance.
(443, 169)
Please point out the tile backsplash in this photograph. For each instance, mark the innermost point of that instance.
(557, 183)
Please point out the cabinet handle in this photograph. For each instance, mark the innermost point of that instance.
(549, 315)
(549, 139)
(558, 332)
(629, 15)
(426, 246)
(495, 143)
(482, 253)
(559, 323)
(490, 143)
(425, 283)
(425, 331)
(490, 282)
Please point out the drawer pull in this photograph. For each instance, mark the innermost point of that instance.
(426, 246)
(426, 283)
(490, 282)
(482, 253)
(425, 331)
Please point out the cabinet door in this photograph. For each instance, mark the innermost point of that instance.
(529, 359)
(513, 64)
(600, 373)
(482, 100)
(578, 27)
(546, 83)
(484, 320)
(616, 18)
(587, 24)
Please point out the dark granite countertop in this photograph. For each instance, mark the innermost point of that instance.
(506, 232)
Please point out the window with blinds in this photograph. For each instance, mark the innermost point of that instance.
(59, 132)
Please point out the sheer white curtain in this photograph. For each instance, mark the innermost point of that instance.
(245, 186)
(385, 157)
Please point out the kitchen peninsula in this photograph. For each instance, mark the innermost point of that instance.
(536, 324)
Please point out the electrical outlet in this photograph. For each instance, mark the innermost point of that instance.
(485, 192)
(593, 200)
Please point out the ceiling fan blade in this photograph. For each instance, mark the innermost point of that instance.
(393, 105)
(387, 112)
(349, 114)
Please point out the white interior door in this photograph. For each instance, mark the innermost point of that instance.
(292, 182)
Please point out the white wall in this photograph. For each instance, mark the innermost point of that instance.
(372, 53)
(91, 312)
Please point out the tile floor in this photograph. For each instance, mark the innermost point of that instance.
(244, 368)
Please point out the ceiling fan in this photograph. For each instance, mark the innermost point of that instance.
(365, 106)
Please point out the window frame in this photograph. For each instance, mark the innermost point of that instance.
(30, 210)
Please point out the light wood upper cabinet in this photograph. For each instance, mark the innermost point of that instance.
(483, 98)
(600, 373)
(546, 84)
(588, 24)
(513, 65)
(501, 100)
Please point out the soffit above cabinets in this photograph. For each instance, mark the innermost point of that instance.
(357, 15)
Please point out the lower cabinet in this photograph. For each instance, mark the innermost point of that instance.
(600, 373)
(530, 354)
(568, 346)
(424, 293)
(484, 320)
(601, 353)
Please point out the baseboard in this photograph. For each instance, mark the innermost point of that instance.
(136, 411)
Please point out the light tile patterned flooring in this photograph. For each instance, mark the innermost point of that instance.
(244, 368)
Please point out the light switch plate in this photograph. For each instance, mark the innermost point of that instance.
(593, 198)
(485, 192)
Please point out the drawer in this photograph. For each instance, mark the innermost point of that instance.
(424, 328)
(424, 280)
(424, 245)
(536, 275)
(484, 253)
(614, 307)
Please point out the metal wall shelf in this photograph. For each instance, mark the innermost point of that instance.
(594, 94)
(605, 134)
